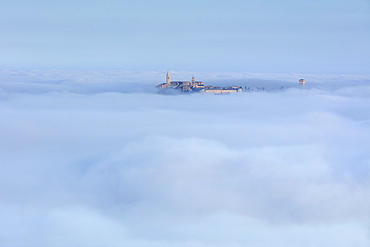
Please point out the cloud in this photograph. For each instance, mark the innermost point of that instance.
(99, 168)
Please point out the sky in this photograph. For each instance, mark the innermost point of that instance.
(86, 160)
(319, 36)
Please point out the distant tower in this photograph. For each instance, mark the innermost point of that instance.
(168, 78)
(302, 82)
(192, 80)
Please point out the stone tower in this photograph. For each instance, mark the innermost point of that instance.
(192, 80)
(168, 78)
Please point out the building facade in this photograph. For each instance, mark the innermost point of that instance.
(196, 86)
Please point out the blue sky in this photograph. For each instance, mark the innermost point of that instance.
(323, 36)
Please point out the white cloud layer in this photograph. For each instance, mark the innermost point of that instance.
(88, 165)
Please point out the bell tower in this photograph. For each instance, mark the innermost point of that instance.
(168, 78)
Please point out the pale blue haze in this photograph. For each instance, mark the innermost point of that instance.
(319, 36)
(92, 154)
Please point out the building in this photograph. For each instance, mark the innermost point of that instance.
(302, 82)
(196, 86)
(222, 90)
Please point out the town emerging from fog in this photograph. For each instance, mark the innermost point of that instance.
(198, 86)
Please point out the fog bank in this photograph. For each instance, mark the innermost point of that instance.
(87, 165)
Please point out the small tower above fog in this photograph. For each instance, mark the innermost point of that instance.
(168, 78)
(192, 80)
(302, 82)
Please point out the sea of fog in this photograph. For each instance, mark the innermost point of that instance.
(103, 159)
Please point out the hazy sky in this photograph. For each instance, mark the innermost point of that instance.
(318, 36)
